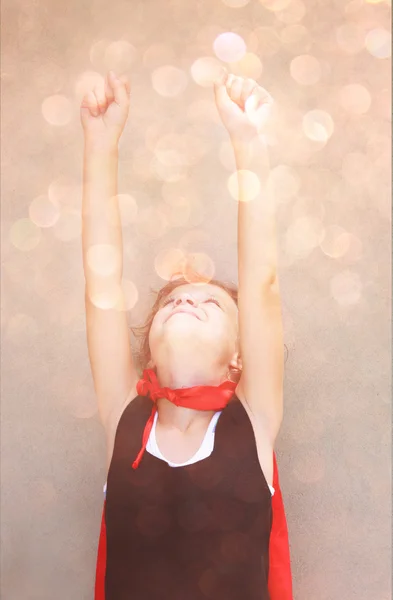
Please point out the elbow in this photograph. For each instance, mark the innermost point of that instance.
(270, 282)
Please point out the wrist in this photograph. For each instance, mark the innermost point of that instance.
(250, 153)
(101, 146)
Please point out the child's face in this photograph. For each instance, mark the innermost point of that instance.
(203, 317)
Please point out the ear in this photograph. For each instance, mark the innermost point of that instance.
(236, 361)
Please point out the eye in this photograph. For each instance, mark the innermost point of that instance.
(171, 299)
(214, 300)
(167, 301)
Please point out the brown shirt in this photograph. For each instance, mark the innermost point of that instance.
(195, 532)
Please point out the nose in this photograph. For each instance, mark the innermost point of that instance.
(185, 298)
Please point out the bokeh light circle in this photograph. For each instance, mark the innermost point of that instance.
(379, 43)
(97, 52)
(293, 13)
(355, 98)
(318, 125)
(25, 235)
(198, 268)
(103, 259)
(19, 326)
(104, 294)
(64, 192)
(129, 296)
(168, 172)
(249, 185)
(169, 262)
(86, 82)
(250, 66)
(119, 56)
(296, 38)
(168, 150)
(205, 70)
(305, 69)
(275, 5)
(57, 110)
(229, 47)
(169, 81)
(235, 3)
(336, 242)
(303, 235)
(43, 212)
(265, 41)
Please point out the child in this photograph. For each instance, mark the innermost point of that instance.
(193, 507)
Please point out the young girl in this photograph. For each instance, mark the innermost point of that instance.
(193, 508)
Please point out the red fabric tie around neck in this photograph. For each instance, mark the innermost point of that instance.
(211, 398)
(199, 397)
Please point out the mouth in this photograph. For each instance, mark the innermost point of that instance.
(187, 312)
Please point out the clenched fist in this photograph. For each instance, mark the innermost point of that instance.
(243, 105)
(104, 111)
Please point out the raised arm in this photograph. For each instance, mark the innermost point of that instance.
(244, 108)
(104, 112)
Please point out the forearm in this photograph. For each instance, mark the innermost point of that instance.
(257, 238)
(101, 224)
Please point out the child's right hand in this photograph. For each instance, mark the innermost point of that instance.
(104, 111)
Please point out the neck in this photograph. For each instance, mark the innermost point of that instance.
(182, 419)
(189, 375)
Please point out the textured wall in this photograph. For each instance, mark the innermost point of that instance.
(330, 173)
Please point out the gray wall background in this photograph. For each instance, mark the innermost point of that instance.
(334, 222)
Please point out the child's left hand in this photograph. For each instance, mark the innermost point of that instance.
(243, 105)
